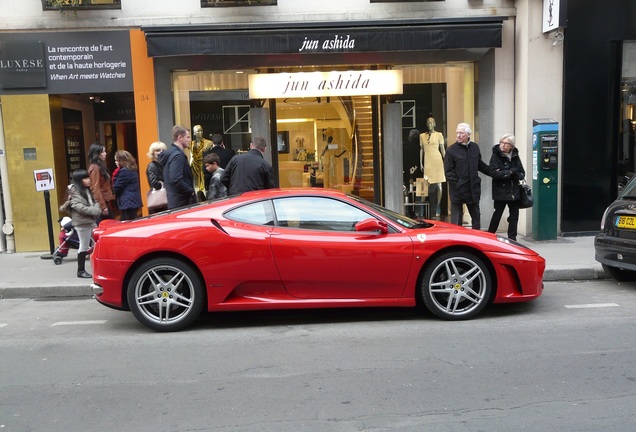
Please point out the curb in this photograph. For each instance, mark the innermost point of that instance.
(563, 274)
(45, 292)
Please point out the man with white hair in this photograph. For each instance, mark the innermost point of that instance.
(461, 165)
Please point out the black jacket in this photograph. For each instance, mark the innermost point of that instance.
(506, 174)
(461, 166)
(246, 172)
(154, 172)
(177, 177)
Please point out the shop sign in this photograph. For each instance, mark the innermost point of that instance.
(22, 64)
(553, 15)
(323, 84)
(44, 179)
(68, 62)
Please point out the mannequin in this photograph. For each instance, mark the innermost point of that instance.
(199, 147)
(432, 161)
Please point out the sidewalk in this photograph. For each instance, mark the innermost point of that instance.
(27, 275)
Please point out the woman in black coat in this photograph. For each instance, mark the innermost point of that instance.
(507, 170)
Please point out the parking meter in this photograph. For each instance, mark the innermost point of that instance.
(545, 178)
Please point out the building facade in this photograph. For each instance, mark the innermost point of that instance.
(314, 79)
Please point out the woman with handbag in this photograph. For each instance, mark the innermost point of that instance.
(154, 174)
(507, 172)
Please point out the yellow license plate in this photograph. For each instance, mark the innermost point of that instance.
(626, 222)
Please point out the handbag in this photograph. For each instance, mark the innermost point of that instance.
(525, 195)
(157, 198)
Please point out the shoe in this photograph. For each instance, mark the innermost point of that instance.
(84, 275)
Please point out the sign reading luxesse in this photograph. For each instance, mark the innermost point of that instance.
(74, 62)
(323, 84)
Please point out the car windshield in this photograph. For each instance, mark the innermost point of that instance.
(629, 191)
(391, 215)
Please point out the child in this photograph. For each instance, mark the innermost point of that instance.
(84, 210)
(216, 189)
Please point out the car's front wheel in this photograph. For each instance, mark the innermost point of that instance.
(165, 294)
(620, 274)
(456, 285)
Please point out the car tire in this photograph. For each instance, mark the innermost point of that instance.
(456, 285)
(620, 274)
(165, 294)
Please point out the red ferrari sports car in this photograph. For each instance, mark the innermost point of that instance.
(302, 248)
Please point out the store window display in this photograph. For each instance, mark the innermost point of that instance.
(432, 152)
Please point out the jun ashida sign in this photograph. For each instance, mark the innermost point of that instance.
(323, 84)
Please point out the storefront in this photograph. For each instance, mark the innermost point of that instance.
(598, 114)
(355, 141)
(328, 125)
(59, 93)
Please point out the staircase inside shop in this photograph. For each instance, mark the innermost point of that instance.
(363, 135)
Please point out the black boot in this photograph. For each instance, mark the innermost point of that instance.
(81, 262)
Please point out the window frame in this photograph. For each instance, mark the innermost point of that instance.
(404, 1)
(56, 5)
(237, 3)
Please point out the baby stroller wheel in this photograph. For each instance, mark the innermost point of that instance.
(57, 260)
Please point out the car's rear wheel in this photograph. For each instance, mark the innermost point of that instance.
(620, 274)
(456, 285)
(165, 294)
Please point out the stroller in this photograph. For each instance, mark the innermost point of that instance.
(68, 240)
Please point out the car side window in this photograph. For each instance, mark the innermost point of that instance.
(258, 213)
(317, 213)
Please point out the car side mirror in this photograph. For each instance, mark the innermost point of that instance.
(372, 224)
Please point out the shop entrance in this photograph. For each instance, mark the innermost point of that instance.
(326, 142)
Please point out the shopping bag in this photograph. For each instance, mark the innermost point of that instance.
(421, 187)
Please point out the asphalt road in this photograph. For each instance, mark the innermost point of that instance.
(563, 362)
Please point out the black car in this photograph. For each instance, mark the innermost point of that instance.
(615, 246)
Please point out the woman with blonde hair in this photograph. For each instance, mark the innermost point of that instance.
(126, 185)
(154, 172)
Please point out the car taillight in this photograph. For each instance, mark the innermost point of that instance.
(603, 219)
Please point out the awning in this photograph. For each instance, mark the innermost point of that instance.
(325, 37)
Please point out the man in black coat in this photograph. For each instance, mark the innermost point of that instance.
(249, 171)
(177, 174)
(461, 165)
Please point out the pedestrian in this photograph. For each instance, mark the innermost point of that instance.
(101, 186)
(84, 210)
(216, 189)
(127, 189)
(225, 154)
(154, 171)
(507, 171)
(461, 165)
(177, 175)
(249, 171)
